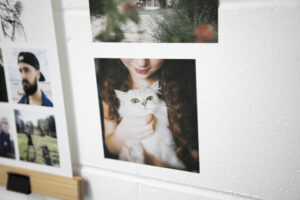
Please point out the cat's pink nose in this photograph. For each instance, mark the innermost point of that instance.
(144, 103)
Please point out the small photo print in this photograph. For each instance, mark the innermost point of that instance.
(154, 21)
(37, 139)
(11, 16)
(7, 147)
(19, 19)
(30, 79)
(148, 111)
(3, 90)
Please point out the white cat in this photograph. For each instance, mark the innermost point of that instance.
(141, 102)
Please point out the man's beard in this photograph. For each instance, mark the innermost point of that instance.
(30, 89)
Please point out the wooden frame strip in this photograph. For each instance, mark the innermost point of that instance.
(47, 184)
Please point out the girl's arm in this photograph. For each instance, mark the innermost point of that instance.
(130, 128)
(112, 143)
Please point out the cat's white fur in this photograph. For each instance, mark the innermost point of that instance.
(161, 144)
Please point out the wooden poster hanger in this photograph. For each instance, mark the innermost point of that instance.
(47, 184)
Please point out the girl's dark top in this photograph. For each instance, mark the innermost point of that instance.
(107, 154)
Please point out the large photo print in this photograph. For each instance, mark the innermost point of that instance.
(149, 111)
(148, 21)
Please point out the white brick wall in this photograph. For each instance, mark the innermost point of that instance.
(249, 110)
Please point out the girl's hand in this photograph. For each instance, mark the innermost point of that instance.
(131, 128)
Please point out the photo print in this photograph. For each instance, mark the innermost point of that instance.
(37, 139)
(154, 21)
(31, 89)
(19, 19)
(148, 111)
(29, 77)
(3, 89)
(7, 147)
(12, 28)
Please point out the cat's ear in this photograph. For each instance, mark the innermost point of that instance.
(120, 94)
(155, 87)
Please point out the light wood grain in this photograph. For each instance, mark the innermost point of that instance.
(47, 184)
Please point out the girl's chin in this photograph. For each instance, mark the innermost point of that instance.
(142, 76)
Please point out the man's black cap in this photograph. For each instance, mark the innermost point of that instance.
(31, 59)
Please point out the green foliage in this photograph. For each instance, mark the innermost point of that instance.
(186, 15)
(47, 126)
(116, 18)
(199, 11)
(163, 3)
(132, 14)
(38, 141)
(44, 126)
(174, 28)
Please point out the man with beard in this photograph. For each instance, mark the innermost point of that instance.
(29, 68)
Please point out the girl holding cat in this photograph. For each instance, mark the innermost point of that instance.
(176, 79)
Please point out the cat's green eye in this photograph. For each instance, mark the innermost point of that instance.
(149, 98)
(135, 100)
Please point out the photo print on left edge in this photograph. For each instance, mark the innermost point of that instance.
(7, 145)
(3, 89)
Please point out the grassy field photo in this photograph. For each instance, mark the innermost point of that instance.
(39, 142)
(37, 138)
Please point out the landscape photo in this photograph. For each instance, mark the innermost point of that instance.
(154, 21)
(37, 139)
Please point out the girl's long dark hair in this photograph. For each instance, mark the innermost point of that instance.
(177, 79)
